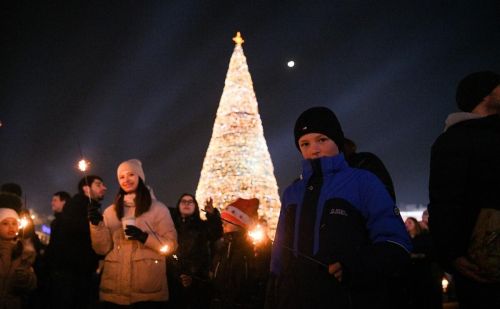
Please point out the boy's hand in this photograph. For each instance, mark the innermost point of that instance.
(335, 269)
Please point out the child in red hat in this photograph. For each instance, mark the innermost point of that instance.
(239, 267)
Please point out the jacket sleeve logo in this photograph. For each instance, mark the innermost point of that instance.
(338, 211)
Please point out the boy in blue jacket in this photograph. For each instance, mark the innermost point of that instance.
(340, 241)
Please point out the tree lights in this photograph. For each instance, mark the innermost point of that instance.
(237, 162)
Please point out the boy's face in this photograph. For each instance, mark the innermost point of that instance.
(9, 228)
(317, 145)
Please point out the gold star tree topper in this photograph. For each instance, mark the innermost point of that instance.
(238, 39)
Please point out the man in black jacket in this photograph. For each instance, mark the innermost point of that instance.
(464, 185)
(74, 262)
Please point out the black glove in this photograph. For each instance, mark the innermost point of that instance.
(94, 215)
(135, 233)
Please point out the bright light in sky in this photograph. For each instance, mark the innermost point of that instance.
(83, 165)
(291, 64)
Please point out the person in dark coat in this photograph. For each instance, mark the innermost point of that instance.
(188, 266)
(240, 265)
(463, 192)
(340, 240)
(73, 262)
(370, 162)
(425, 275)
(59, 200)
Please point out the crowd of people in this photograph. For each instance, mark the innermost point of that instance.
(340, 241)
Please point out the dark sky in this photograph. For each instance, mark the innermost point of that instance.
(143, 79)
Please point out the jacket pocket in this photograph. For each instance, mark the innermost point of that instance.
(111, 273)
(148, 272)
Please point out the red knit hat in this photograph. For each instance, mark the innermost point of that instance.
(241, 212)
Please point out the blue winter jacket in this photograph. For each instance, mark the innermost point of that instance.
(356, 224)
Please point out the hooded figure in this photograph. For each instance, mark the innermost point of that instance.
(189, 265)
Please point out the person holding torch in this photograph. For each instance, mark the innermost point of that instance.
(135, 234)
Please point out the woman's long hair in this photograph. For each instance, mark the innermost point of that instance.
(418, 228)
(196, 213)
(142, 200)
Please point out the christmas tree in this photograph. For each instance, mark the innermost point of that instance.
(237, 162)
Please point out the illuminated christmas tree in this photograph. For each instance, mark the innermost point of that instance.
(237, 162)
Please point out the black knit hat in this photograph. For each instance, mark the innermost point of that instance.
(319, 120)
(12, 201)
(474, 87)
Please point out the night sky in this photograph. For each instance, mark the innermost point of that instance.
(143, 79)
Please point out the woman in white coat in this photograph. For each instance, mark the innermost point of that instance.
(134, 233)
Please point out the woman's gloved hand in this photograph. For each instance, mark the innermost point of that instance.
(135, 233)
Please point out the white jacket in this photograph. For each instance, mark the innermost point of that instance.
(133, 271)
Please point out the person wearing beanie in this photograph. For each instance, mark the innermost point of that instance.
(464, 205)
(12, 201)
(340, 240)
(241, 213)
(240, 269)
(475, 88)
(16, 273)
(132, 165)
(134, 234)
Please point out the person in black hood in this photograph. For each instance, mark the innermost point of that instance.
(187, 267)
(464, 208)
(370, 162)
